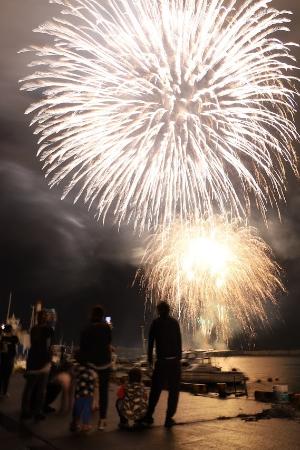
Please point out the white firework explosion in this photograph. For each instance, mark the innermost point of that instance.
(214, 275)
(157, 109)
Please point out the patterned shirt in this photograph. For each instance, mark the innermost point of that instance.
(134, 398)
(85, 381)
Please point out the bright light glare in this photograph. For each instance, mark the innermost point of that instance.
(205, 254)
(220, 272)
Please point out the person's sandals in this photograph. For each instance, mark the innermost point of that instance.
(101, 425)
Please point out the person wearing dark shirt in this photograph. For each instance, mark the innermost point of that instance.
(166, 336)
(95, 350)
(8, 352)
(37, 369)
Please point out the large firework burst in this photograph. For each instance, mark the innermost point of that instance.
(154, 109)
(213, 275)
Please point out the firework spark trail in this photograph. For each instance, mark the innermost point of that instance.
(153, 110)
(220, 272)
(205, 326)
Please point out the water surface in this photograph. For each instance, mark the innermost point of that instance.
(285, 368)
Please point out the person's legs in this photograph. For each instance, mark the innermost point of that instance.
(1, 375)
(65, 382)
(86, 415)
(119, 404)
(103, 391)
(76, 414)
(40, 394)
(7, 368)
(52, 391)
(30, 385)
(173, 376)
(96, 395)
(2, 372)
(156, 388)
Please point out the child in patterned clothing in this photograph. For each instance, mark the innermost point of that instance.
(84, 391)
(131, 401)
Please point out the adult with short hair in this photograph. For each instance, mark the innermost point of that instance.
(166, 336)
(96, 350)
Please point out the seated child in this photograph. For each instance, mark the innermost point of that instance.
(84, 390)
(131, 401)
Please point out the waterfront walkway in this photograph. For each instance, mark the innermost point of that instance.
(203, 422)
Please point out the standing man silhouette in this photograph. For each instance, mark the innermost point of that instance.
(166, 336)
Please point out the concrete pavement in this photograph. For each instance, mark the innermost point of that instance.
(204, 422)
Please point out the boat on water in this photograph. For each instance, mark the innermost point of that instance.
(198, 368)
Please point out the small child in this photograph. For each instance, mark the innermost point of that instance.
(84, 391)
(131, 401)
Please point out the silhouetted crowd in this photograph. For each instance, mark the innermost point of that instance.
(82, 378)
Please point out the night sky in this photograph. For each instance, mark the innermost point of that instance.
(56, 251)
